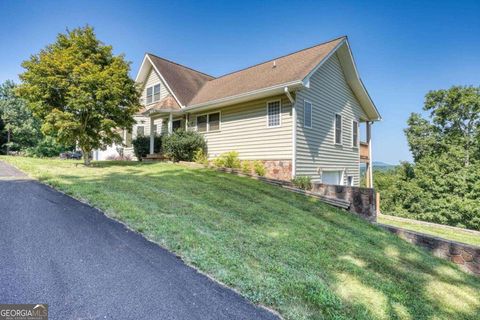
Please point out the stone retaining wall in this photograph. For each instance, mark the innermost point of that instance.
(466, 256)
(362, 200)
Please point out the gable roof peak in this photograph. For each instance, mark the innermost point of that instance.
(178, 64)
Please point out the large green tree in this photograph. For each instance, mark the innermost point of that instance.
(19, 129)
(81, 91)
(443, 183)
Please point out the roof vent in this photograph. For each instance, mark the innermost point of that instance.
(274, 63)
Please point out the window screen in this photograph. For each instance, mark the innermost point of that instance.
(202, 123)
(307, 114)
(140, 131)
(338, 128)
(273, 114)
(214, 121)
(149, 95)
(156, 92)
(355, 134)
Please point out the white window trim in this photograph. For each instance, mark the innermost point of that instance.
(335, 129)
(153, 93)
(279, 116)
(311, 114)
(358, 131)
(208, 121)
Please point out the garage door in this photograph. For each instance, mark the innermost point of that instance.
(332, 177)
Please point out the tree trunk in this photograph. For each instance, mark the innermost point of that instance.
(8, 141)
(86, 157)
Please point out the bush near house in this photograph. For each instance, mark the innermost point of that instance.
(182, 145)
(259, 168)
(246, 167)
(304, 182)
(141, 146)
(228, 160)
(200, 157)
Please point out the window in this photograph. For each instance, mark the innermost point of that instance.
(156, 92)
(177, 124)
(149, 95)
(208, 122)
(202, 123)
(153, 93)
(273, 113)
(214, 121)
(338, 129)
(350, 180)
(154, 129)
(307, 114)
(355, 134)
(140, 131)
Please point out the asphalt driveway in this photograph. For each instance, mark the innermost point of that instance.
(59, 251)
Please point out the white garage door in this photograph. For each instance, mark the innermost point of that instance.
(332, 177)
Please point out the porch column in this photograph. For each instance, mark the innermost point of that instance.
(170, 124)
(370, 160)
(152, 136)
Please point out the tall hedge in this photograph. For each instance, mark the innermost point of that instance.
(182, 145)
(141, 146)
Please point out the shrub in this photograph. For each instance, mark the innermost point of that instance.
(141, 146)
(47, 147)
(200, 157)
(304, 182)
(182, 145)
(228, 160)
(259, 168)
(246, 167)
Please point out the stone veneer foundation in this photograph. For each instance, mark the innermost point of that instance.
(278, 169)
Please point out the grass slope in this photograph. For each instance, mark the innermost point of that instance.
(457, 234)
(303, 258)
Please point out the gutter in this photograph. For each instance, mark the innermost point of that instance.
(256, 94)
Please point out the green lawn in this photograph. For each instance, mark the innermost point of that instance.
(443, 232)
(300, 257)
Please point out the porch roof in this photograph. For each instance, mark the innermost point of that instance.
(165, 105)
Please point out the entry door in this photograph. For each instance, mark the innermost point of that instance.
(332, 177)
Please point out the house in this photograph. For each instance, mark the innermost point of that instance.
(300, 114)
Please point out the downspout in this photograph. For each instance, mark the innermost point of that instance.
(294, 131)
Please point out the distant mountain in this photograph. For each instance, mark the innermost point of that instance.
(382, 164)
(377, 165)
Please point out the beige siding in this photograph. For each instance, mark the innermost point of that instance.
(153, 79)
(316, 150)
(244, 129)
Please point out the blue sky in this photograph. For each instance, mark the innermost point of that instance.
(402, 48)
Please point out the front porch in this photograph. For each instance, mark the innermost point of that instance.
(172, 119)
